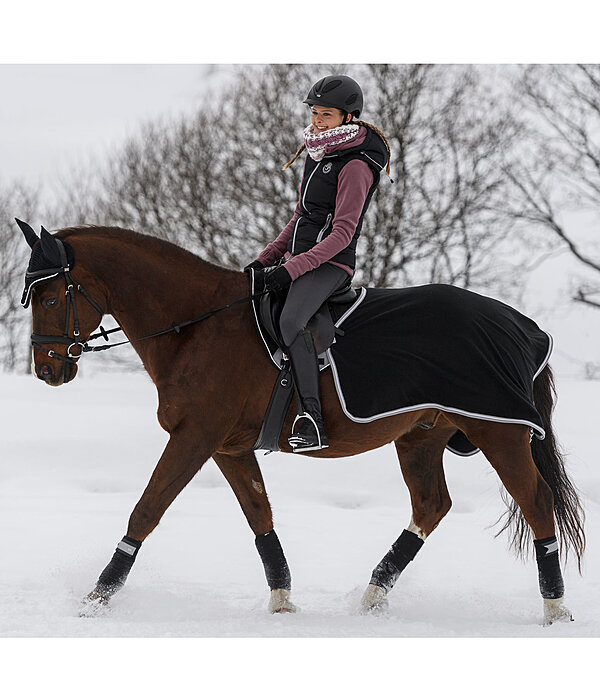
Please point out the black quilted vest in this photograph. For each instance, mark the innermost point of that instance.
(318, 192)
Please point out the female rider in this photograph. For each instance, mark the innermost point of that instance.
(317, 248)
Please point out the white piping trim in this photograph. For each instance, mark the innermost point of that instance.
(258, 325)
(341, 319)
(381, 167)
(38, 281)
(462, 454)
(322, 231)
(295, 231)
(545, 362)
(307, 184)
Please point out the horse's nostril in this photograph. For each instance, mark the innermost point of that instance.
(45, 371)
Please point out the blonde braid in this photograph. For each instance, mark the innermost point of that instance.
(298, 152)
(387, 145)
(360, 123)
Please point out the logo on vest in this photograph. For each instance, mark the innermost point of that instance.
(326, 168)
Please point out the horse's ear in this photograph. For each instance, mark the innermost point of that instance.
(28, 232)
(50, 248)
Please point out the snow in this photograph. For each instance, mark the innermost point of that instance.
(76, 459)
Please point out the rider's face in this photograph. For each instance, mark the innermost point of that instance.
(324, 118)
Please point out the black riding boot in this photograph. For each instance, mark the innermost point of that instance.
(308, 431)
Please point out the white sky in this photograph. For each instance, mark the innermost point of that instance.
(55, 116)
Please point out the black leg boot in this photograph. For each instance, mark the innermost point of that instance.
(308, 431)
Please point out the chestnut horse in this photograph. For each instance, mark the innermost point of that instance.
(214, 381)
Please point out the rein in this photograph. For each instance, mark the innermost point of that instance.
(175, 327)
(71, 288)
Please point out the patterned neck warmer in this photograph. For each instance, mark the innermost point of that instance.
(316, 142)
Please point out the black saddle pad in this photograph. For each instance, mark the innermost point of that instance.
(442, 347)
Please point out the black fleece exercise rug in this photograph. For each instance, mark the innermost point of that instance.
(438, 346)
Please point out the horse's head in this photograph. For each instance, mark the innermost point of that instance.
(61, 324)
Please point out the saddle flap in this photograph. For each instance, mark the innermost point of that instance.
(322, 329)
(320, 325)
(269, 312)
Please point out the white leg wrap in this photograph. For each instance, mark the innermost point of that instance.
(555, 610)
(374, 598)
(280, 601)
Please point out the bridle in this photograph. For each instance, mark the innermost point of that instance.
(71, 288)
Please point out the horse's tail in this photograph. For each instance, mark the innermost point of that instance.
(568, 511)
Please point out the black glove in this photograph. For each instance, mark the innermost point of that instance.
(277, 279)
(255, 265)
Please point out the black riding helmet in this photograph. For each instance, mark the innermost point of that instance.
(338, 91)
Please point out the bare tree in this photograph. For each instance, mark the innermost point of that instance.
(263, 119)
(436, 222)
(15, 325)
(560, 173)
(215, 183)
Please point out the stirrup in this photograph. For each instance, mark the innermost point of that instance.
(298, 443)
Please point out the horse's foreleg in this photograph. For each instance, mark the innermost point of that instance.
(244, 476)
(420, 458)
(181, 459)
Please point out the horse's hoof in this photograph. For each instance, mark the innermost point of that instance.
(94, 604)
(280, 601)
(374, 600)
(555, 611)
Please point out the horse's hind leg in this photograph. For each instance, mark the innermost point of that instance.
(508, 450)
(420, 454)
(244, 476)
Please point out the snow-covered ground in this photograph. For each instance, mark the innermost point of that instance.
(76, 459)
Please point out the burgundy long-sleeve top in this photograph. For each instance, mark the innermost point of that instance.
(354, 182)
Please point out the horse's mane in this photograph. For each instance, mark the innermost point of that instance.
(164, 248)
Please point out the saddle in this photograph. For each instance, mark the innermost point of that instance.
(321, 325)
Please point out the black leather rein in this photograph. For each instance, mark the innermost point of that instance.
(175, 327)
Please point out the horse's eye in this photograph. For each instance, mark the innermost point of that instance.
(49, 303)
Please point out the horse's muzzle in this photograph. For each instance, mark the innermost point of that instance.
(55, 374)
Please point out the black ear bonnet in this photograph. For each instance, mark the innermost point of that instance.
(50, 257)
